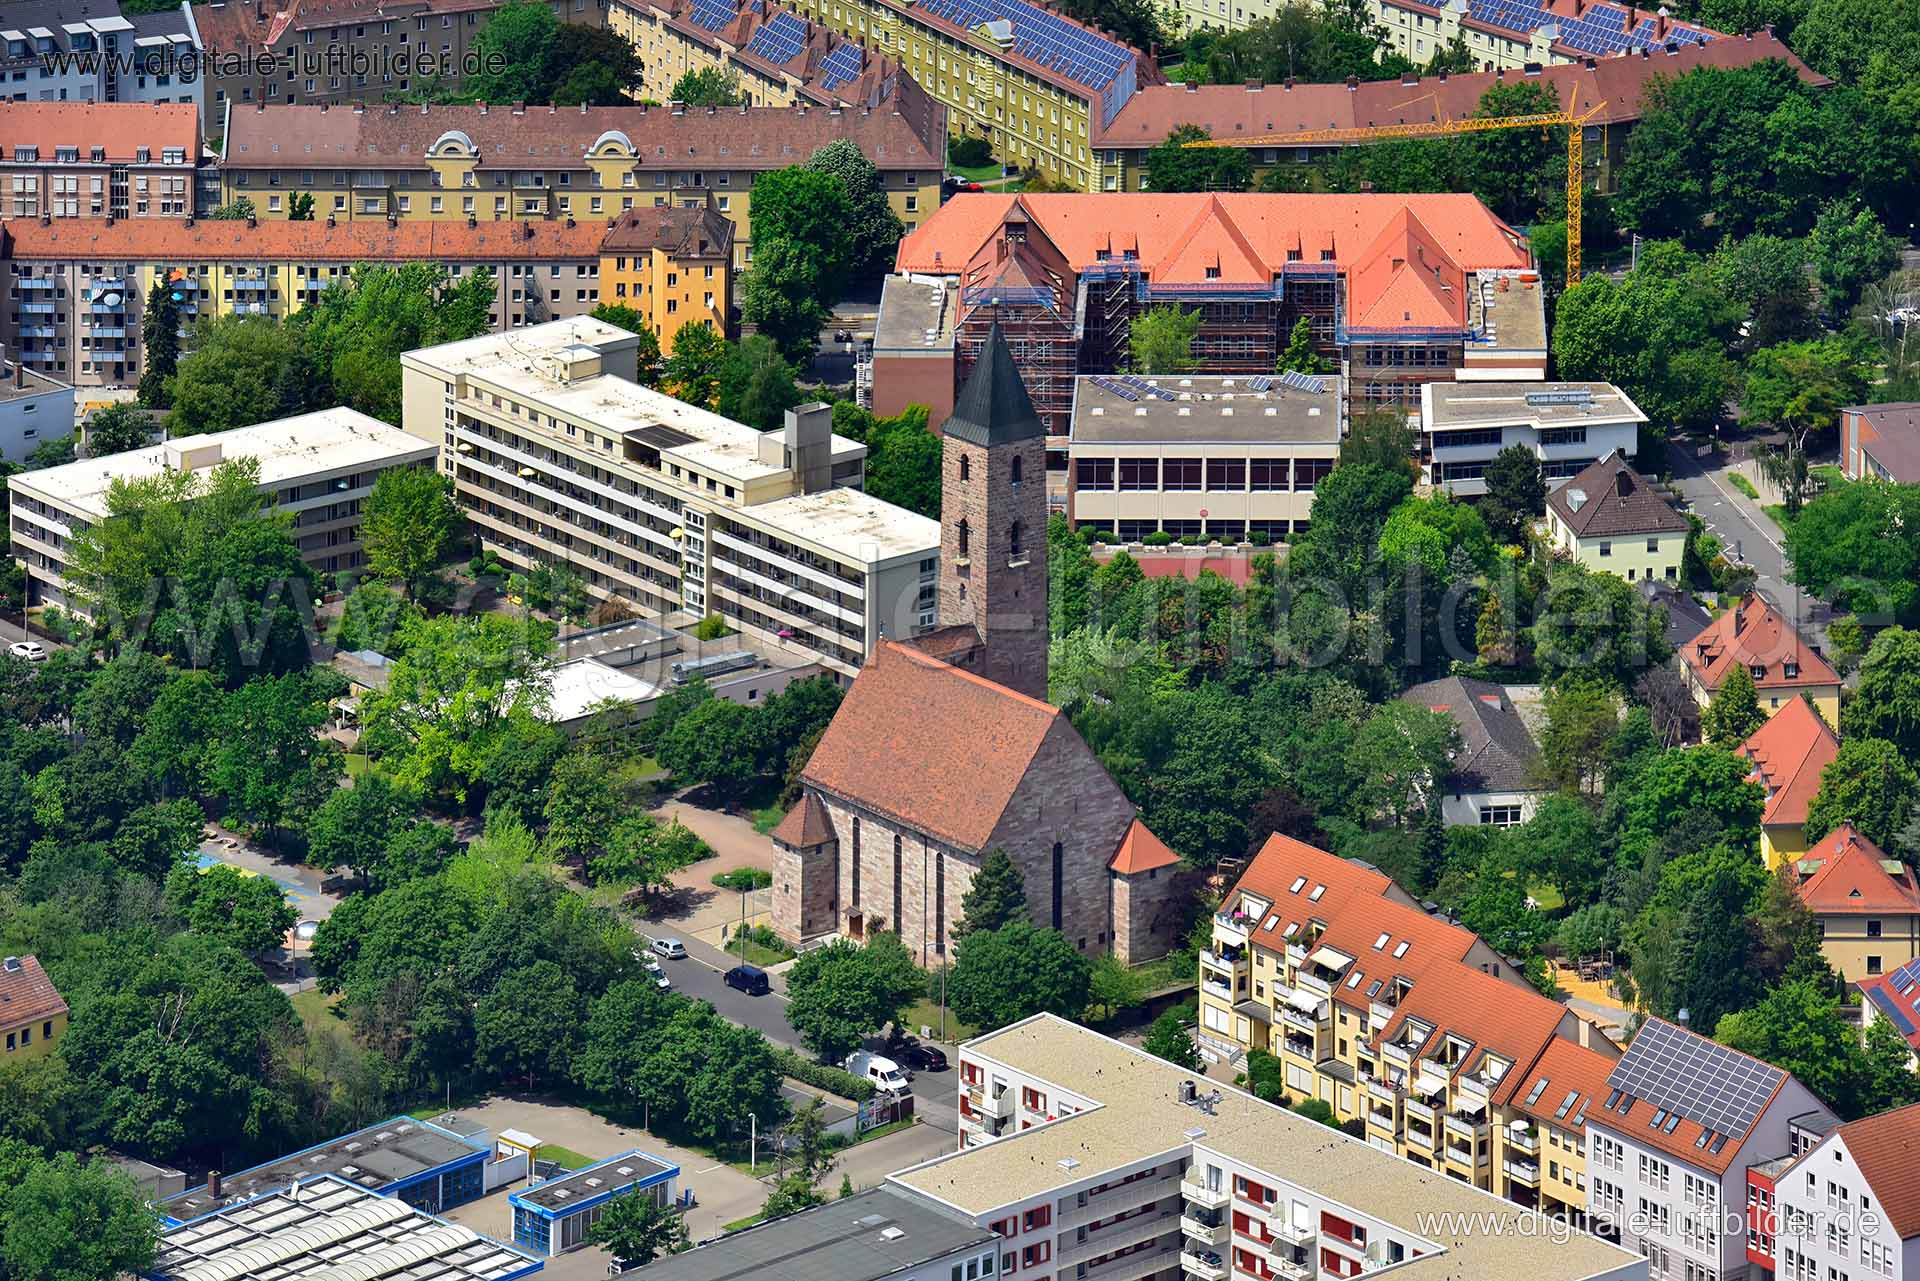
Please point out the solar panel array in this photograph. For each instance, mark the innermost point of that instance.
(1894, 997)
(840, 66)
(1601, 29)
(1046, 38)
(1145, 388)
(1261, 383)
(1108, 384)
(782, 38)
(1696, 1078)
(713, 15)
(1303, 382)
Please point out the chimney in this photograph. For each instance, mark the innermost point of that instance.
(252, 222)
(1353, 84)
(213, 1183)
(393, 220)
(1499, 73)
(1443, 75)
(527, 229)
(359, 108)
(1255, 86)
(19, 374)
(471, 221)
(1193, 86)
(1288, 85)
(331, 221)
(809, 446)
(1623, 483)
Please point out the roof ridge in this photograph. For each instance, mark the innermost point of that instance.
(928, 660)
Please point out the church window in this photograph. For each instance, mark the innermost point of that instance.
(856, 862)
(1016, 469)
(966, 468)
(1014, 538)
(965, 537)
(1059, 867)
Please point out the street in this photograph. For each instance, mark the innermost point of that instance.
(1749, 535)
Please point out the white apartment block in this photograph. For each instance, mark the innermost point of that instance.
(318, 468)
(1567, 426)
(1669, 1149)
(1095, 1161)
(558, 456)
(1844, 1206)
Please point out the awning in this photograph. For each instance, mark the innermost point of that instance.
(1332, 958)
(1305, 1002)
(1431, 1082)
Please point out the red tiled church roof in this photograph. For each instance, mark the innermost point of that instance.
(1141, 851)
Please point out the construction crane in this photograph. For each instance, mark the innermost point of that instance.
(1445, 128)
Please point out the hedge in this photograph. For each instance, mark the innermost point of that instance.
(821, 1077)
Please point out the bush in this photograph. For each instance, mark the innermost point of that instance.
(1260, 538)
(712, 627)
(822, 1077)
(743, 879)
(1192, 540)
(1158, 538)
(1105, 537)
(969, 152)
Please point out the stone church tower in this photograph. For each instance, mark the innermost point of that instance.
(993, 524)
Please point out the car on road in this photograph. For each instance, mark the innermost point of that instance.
(658, 975)
(31, 651)
(843, 335)
(750, 979)
(924, 1058)
(671, 949)
(877, 1068)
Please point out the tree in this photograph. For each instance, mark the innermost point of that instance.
(1002, 976)
(780, 296)
(757, 384)
(1300, 355)
(409, 520)
(707, 87)
(159, 335)
(692, 371)
(903, 462)
(1399, 762)
(1850, 251)
(644, 853)
(1768, 276)
(590, 66)
(1161, 340)
(270, 765)
(1734, 712)
(68, 1221)
(1381, 436)
(1516, 171)
(510, 54)
(712, 746)
(647, 353)
(250, 913)
(117, 428)
(1707, 781)
(996, 896)
(812, 211)
(1886, 702)
(876, 230)
(1798, 1027)
(1858, 546)
(617, 1041)
(1581, 719)
(1595, 626)
(582, 805)
(300, 207)
(1800, 387)
(790, 1196)
(1170, 1039)
(527, 1026)
(232, 377)
(839, 994)
(1173, 166)
(1431, 532)
(1867, 784)
(636, 1229)
(239, 209)
(349, 341)
(1113, 985)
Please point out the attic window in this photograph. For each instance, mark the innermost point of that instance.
(1353, 980)
(1539, 1088)
(1270, 921)
(1565, 1103)
(1757, 670)
(1673, 1123)
(1318, 890)
(1381, 941)
(1659, 1115)
(1400, 948)
(1613, 1098)
(1793, 670)
(1293, 927)
(1298, 881)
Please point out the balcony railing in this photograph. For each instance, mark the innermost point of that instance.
(1523, 1140)
(1198, 1193)
(1526, 1171)
(1418, 1109)
(991, 1103)
(1229, 959)
(1215, 986)
(1199, 1229)
(1295, 1233)
(1207, 1265)
(1471, 1128)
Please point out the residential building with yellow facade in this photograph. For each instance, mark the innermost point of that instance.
(1397, 1020)
(1789, 754)
(481, 163)
(33, 1015)
(1610, 520)
(1784, 665)
(1866, 905)
(76, 287)
(673, 266)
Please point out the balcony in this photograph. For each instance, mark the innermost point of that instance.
(1132, 1267)
(1115, 1236)
(1527, 1172)
(994, 1104)
(1397, 1052)
(1299, 1234)
(1383, 1090)
(1200, 1194)
(1230, 928)
(37, 308)
(1197, 1228)
(1305, 1024)
(249, 309)
(1229, 960)
(1523, 1140)
(1382, 1116)
(1294, 1269)
(34, 282)
(1308, 981)
(1118, 1200)
(1418, 1109)
(1300, 1046)
(1208, 1265)
(1468, 1127)
(51, 331)
(1213, 985)
(250, 284)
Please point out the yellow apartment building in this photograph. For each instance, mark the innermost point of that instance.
(673, 266)
(33, 1015)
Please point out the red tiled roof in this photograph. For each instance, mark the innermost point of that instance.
(1896, 996)
(1754, 634)
(27, 995)
(1851, 878)
(121, 127)
(940, 749)
(1683, 1141)
(805, 824)
(1788, 753)
(1410, 281)
(276, 239)
(1141, 851)
(701, 232)
(1566, 1067)
(1887, 1150)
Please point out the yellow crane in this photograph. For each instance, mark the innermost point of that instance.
(1451, 128)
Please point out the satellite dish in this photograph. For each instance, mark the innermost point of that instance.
(111, 298)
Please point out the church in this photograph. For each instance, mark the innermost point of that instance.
(945, 748)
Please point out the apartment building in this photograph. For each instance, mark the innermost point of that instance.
(76, 289)
(1394, 1018)
(33, 1014)
(1670, 1148)
(1789, 754)
(673, 266)
(1865, 905)
(1094, 1161)
(53, 51)
(34, 409)
(1035, 84)
(1399, 290)
(98, 159)
(1608, 518)
(518, 163)
(1783, 663)
(1610, 93)
(1844, 1204)
(1567, 426)
(289, 51)
(318, 468)
(1216, 457)
(556, 454)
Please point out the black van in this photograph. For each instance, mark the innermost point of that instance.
(750, 979)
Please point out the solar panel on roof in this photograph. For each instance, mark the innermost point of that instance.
(712, 14)
(1261, 383)
(840, 66)
(662, 436)
(1303, 382)
(1892, 1009)
(781, 39)
(1696, 1078)
(1108, 384)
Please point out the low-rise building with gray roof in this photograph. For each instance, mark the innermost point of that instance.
(1494, 781)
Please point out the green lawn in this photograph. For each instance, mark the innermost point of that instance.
(356, 764)
(1177, 969)
(1742, 484)
(767, 817)
(927, 1013)
(1777, 513)
(1829, 474)
(978, 173)
(882, 1131)
(565, 1156)
(737, 1224)
(315, 1009)
(755, 953)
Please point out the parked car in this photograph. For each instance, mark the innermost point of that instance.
(671, 949)
(31, 651)
(750, 979)
(658, 975)
(926, 1058)
(843, 335)
(882, 1071)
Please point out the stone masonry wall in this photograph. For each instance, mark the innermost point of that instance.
(803, 891)
(1003, 594)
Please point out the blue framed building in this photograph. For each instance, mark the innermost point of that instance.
(553, 1217)
(429, 1168)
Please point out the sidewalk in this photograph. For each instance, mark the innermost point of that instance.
(698, 909)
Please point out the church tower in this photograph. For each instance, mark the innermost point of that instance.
(993, 522)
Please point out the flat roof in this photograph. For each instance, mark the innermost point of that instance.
(287, 449)
(917, 315)
(1526, 404)
(1517, 315)
(602, 1178)
(374, 1158)
(581, 684)
(326, 1227)
(1201, 409)
(20, 383)
(851, 523)
(1137, 1116)
(868, 1236)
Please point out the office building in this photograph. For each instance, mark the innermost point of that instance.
(1783, 663)
(1789, 754)
(1398, 290)
(78, 289)
(1842, 1205)
(520, 163)
(317, 468)
(1092, 1159)
(328, 1226)
(99, 53)
(673, 266)
(33, 1015)
(1866, 905)
(552, 1216)
(1567, 426)
(1494, 779)
(34, 409)
(98, 159)
(556, 455)
(1608, 518)
(1223, 457)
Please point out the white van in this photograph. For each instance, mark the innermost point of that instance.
(883, 1072)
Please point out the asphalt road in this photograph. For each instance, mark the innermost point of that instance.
(1739, 523)
(936, 1100)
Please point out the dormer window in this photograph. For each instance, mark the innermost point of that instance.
(1793, 670)
(1757, 670)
